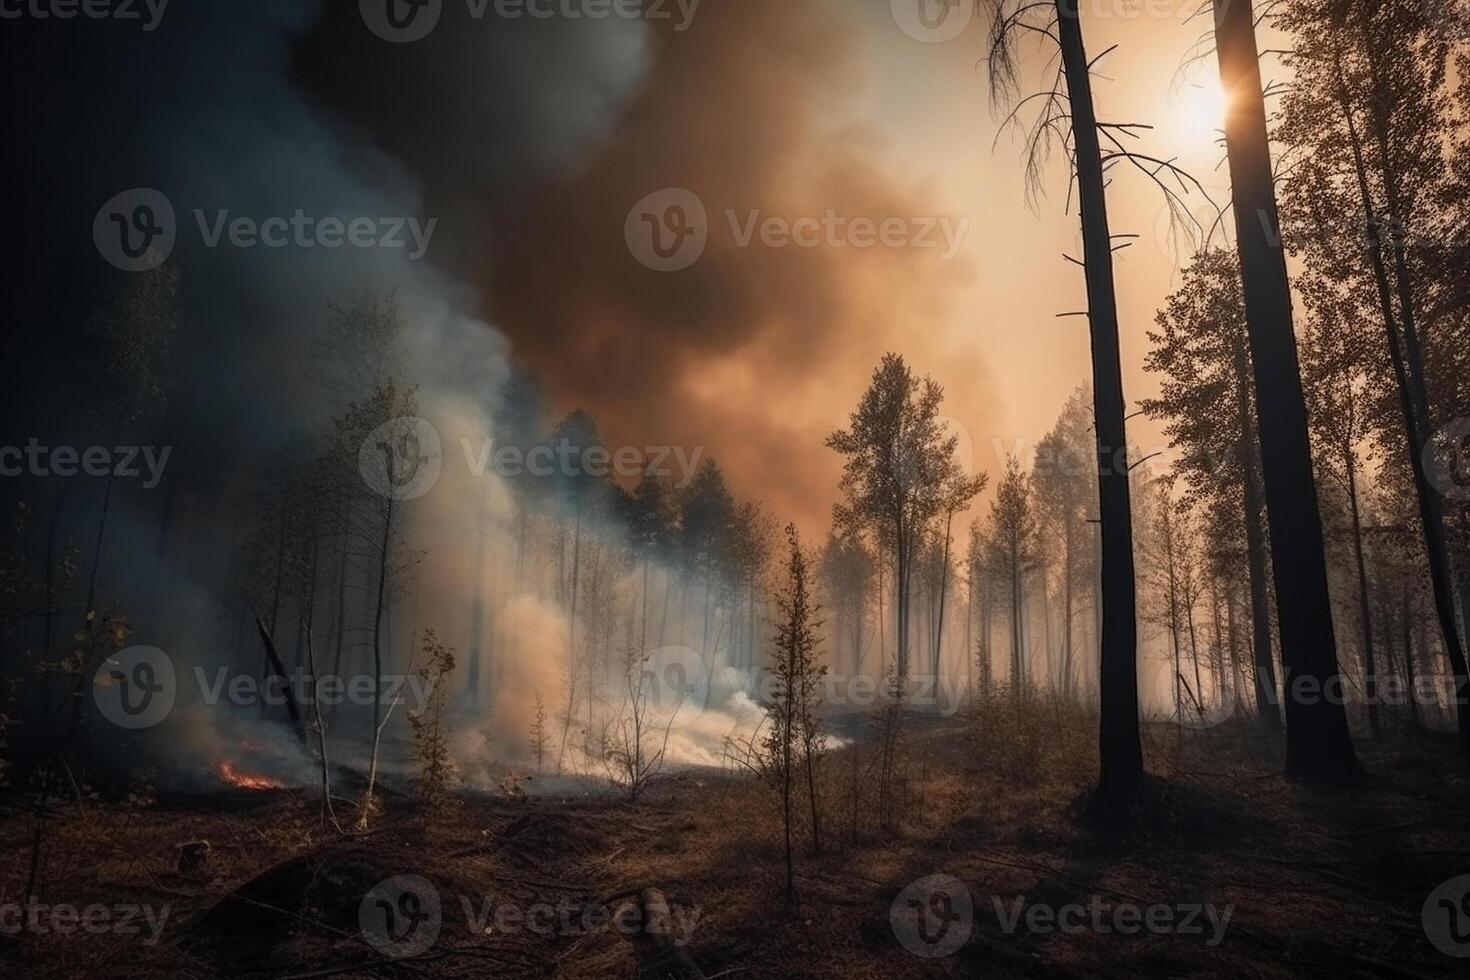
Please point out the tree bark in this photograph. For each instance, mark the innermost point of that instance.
(1319, 747)
(1121, 751)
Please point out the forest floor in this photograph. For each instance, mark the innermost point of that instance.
(1240, 873)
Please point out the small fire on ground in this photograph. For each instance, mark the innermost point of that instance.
(227, 772)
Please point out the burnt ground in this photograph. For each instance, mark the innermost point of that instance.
(1326, 882)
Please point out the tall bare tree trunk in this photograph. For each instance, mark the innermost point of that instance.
(1121, 751)
(1318, 744)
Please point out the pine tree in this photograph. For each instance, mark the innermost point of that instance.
(794, 738)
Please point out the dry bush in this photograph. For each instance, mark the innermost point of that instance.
(633, 746)
(430, 730)
(1033, 737)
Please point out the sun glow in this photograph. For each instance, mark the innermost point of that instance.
(1199, 110)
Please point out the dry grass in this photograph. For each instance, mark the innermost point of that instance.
(1329, 882)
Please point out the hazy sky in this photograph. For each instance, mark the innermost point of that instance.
(796, 108)
(768, 109)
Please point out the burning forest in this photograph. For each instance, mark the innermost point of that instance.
(895, 488)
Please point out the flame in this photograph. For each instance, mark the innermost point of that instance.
(227, 772)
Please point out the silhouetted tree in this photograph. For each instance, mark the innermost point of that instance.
(847, 572)
(1014, 556)
(1199, 351)
(1318, 744)
(1063, 481)
(797, 678)
(895, 475)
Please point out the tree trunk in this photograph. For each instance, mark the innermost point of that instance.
(1018, 673)
(943, 587)
(566, 727)
(378, 621)
(1121, 751)
(1199, 689)
(1255, 552)
(811, 790)
(882, 625)
(1219, 653)
(1406, 622)
(1318, 744)
(986, 605)
(321, 734)
(1173, 599)
(902, 572)
(969, 633)
(787, 735)
(1067, 608)
(339, 613)
(1365, 608)
(1047, 643)
(276, 667)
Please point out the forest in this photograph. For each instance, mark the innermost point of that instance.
(555, 601)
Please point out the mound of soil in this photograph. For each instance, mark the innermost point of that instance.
(548, 835)
(320, 889)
